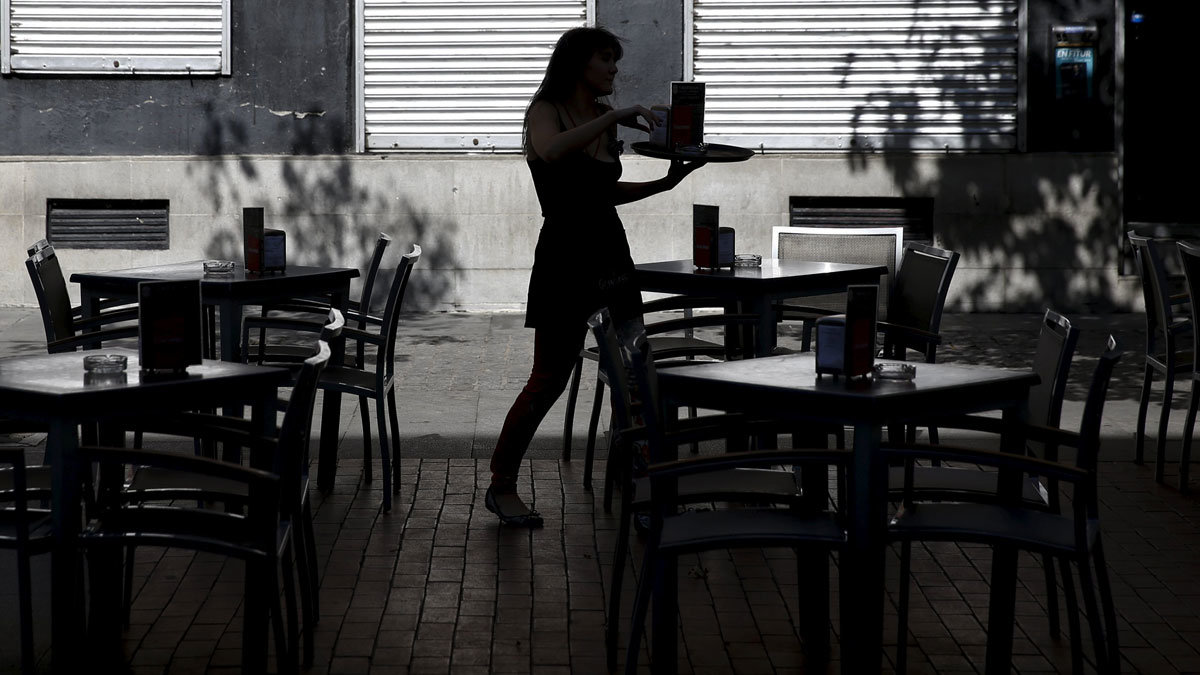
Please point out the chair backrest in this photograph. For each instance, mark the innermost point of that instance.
(291, 457)
(386, 363)
(1156, 292)
(616, 365)
(1093, 412)
(857, 245)
(1189, 255)
(626, 356)
(52, 295)
(37, 246)
(919, 294)
(368, 287)
(1052, 362)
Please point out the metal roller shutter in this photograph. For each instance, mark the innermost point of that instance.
(858, 74)
(120, 37)
(456, 74)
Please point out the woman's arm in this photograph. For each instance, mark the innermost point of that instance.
(551, 145)
(631, 192)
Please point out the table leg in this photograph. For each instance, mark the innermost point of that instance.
(812, 563)
(861, 575)
(66, 585)
(331, 408)
(1002, 601)
(764, 333)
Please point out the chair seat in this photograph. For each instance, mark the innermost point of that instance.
(39, 529)
(943, 482)
(741, 528)
(179, 484)
(669, 347)
(213, 531)
(350, 380)
(988, 523)
(285, 355)
(1183, 361)
(740, 485)
(37, 480)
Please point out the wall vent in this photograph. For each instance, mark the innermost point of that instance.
(108, 223)
(914, 214)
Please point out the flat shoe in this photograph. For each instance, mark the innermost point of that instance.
(530, 518)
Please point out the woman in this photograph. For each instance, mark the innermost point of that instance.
(582, 261)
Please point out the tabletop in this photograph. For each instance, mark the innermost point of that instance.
(773, 274)
(240, 282)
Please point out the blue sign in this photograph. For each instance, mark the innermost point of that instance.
(1073, 72)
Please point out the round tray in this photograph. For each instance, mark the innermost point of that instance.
(715, 152)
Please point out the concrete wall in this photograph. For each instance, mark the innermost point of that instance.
(1034, 230)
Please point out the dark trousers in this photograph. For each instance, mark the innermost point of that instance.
(554, 352)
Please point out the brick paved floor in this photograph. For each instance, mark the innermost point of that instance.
(437, 587)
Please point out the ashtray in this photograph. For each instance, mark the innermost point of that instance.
(903, 372)
(747, 260)
(101, 364)
(218, 268)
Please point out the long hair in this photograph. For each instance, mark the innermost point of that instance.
(571, 54)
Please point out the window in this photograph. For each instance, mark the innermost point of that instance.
(856, 74)
(119, 37)
(438, 75)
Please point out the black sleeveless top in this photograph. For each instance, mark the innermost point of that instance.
(582, 261)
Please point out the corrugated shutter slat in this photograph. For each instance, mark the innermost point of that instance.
(448, 75)
(845, 74)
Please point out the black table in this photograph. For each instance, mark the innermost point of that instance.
(756, 288)
(230, 295)
(54, 389)
(786, 387)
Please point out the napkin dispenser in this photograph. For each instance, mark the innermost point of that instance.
(274, 250)
(846, 342)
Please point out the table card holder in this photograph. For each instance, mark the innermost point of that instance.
(846, 342)
(712, 245)
(687, 115)
(252, 238)
(169, 326)
(274, 250)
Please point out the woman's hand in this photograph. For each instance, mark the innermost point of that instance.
(628, 117)
(680, 169)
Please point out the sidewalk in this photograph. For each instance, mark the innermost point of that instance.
(436, 586)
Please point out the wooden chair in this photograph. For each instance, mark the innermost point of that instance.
(1168, 349)
(1189, 253)
(639, 418)
(672, 338)
(1072, 537)
(25, 530)
(378, 383)
(858, 245)
(165, 503)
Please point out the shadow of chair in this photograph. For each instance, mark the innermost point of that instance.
(856, 245)
(1168, 347)
(25, 530)
(740, 477)
(1189, 254)
(376, 384)
(672, 338)
(1057, 339)
(191, 502)
(1071, 535)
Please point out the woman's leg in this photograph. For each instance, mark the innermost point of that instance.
(554, 353)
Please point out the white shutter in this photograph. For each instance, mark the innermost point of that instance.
(456, 74)
(118, 36)
(866, 74)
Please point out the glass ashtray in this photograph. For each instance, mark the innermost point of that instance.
(218, 268)
(903, 372)
(104, 363)
(747, 260)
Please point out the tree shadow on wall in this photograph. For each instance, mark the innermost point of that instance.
(332, 216)
(1034, 234)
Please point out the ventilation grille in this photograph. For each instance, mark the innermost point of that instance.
(914, 214)
(108, 223)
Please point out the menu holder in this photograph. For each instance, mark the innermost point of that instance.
(846, 342)
(169, 326)
(687, 114)
(712, 245)
(252, 238)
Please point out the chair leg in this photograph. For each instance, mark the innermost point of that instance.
(1161, 446)
(364, 411)
(1072, 603)
(613, 629)
(305, 586)
(127, 589)
(25, 600)
(616, 464)
(572, 396)
(693, 446)
(1087, 587)
(286, 566)
(310, 552)
(806, 338)
(384, 452)
(1110, 611)
(641, 606)
(1185, 454)
(1143, 405)
(394, 419)
(1051, 596)
(593, 426)
(902, 610)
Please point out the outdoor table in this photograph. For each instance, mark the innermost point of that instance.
(231, 294)
(786, 387)
(53, 388)
(756, 288)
